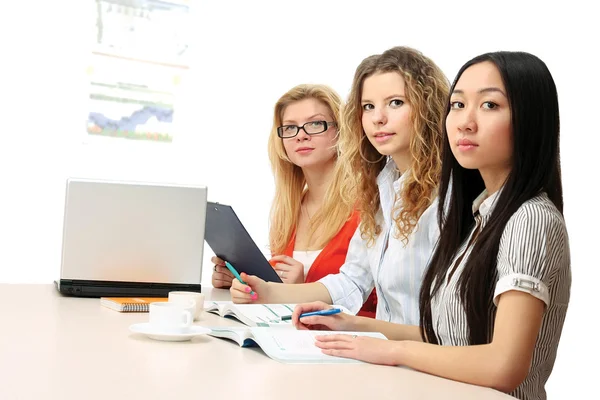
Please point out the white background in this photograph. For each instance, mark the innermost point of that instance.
(246, 54)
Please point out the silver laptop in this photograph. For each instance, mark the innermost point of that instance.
(131, 238)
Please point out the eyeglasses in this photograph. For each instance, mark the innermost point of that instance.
(311, 128)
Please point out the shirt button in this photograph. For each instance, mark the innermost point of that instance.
(526, 284)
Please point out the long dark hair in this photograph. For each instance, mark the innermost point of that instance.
(533, 102)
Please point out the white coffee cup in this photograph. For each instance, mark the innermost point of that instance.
(182, 297)
(171, 317)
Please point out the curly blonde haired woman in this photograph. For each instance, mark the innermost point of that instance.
(391, 140)
(310, 227)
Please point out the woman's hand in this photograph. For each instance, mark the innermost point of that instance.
(221, 276)
(288, 269)
(254, 291)
(335, 322)
(363, 348)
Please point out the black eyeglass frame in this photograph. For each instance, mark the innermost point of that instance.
(326, 125)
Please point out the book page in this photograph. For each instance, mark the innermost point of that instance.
(297, 342)
(237, 334)
(215, 306)
(296, 346)
(264, 315)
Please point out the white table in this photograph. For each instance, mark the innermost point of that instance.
(55, 347)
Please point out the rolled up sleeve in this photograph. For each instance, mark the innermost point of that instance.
(533, 251)
(353, 284)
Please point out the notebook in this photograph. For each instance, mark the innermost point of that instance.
(258, 315)
(130, 304)
(288, 346)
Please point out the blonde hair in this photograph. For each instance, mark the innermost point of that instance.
(427, 90)
(290, 184)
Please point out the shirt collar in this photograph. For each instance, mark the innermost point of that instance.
(484, 204)
(390, 174)
(389, 182)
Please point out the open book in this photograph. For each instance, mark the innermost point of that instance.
(286, 345)
(260, 315)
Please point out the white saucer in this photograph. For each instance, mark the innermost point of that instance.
(145, 329)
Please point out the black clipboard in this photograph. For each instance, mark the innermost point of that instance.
(230, 241)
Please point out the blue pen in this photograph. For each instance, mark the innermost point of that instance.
(235, 273)
(329, 311)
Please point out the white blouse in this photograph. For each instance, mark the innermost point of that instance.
(307, 258)
(393, 268)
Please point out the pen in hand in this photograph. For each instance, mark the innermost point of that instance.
(329, 311)
(237, 276)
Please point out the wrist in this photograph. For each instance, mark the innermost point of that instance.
(363, 324)
(355, 323)
(398, 351)
(265, 293)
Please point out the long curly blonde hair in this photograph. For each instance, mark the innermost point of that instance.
(427, 91)
(290, 184)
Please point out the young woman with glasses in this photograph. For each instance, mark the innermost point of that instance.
(310, 227)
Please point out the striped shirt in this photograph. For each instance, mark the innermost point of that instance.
(393, 268)
(534, 258)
